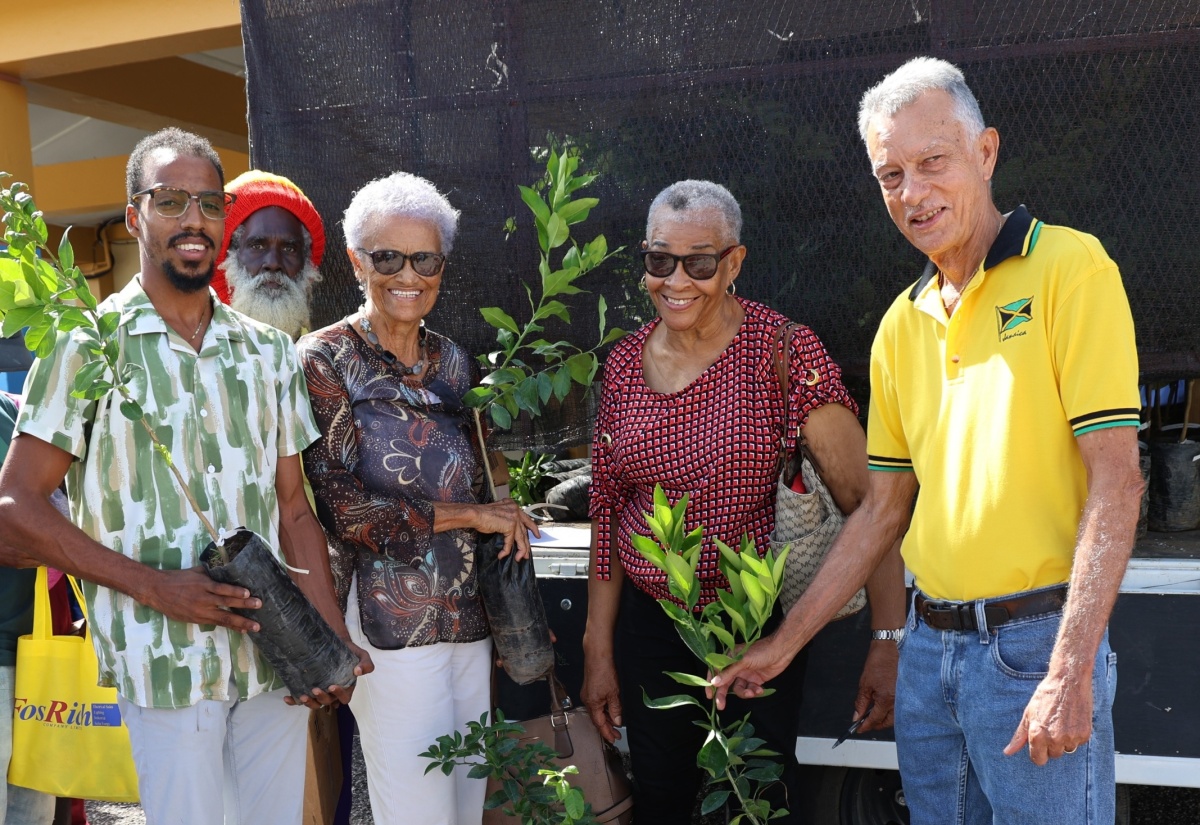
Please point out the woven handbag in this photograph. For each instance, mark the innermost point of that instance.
(807, 522)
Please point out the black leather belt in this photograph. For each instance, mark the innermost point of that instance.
(961, 615)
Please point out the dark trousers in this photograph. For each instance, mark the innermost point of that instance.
(663, 743)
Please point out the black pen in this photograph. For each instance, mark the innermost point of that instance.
(853, 729)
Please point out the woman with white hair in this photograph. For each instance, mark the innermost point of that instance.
(398, 478)
(692, 401)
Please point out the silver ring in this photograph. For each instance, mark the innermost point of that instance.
(1071, 750)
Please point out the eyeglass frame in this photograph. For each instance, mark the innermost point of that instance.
(405, 260)
(228, 199)
(682, 259)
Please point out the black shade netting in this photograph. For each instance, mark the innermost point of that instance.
(1097, 109)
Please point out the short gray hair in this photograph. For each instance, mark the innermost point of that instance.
(239, 235)
(916, 77)
(691, 196)
(400, 195)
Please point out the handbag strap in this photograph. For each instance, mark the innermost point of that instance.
(781, 349)
(42, 626)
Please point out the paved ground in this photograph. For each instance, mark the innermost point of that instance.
(1149, 805)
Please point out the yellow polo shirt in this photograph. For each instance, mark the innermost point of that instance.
(985, 407)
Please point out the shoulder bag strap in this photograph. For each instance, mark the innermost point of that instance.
(781, 348)
(781, 344)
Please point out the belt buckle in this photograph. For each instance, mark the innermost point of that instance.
(953, 614)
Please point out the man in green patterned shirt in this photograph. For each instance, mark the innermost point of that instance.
(212, 737)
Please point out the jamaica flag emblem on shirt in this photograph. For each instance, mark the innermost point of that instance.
(1011, 316)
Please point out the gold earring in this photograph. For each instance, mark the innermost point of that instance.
(642, 284)
(732, 288)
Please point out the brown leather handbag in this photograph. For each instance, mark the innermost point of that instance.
(570, 732)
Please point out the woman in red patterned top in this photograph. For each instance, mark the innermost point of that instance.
(691, 401)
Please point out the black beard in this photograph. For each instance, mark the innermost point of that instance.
(187, 283)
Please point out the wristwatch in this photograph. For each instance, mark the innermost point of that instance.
(887, 635)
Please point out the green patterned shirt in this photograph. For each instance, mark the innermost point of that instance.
(227, 414)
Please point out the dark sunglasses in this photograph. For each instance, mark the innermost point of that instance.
(389, 262)
(172, 203)
(699, 267)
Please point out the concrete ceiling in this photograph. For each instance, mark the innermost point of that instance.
(58, 136)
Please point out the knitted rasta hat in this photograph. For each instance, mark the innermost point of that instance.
(256, 189)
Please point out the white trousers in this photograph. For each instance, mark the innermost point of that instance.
(414, 696)
(233, 762)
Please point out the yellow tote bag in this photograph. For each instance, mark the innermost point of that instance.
(68, 737)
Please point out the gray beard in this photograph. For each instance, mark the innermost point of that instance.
(286, 309)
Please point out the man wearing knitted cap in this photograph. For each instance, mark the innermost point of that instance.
(273, 245)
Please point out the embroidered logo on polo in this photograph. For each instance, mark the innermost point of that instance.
(1012, 315)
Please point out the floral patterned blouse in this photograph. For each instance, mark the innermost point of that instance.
(391, 447)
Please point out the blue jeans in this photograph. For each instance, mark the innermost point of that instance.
(18, 806)
(959, 698)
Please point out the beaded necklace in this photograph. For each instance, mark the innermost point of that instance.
(392, 361)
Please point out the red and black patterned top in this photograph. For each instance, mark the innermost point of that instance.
(392, 446)
(716, 439)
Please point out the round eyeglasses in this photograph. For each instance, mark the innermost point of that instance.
(172, 203)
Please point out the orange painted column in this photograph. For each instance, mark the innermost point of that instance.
(16, 151)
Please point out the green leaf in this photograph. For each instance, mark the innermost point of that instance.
(535, 203)
(72, 318)
(767, 773)
(665, 702)
(136, 380)
(577, 211)
(499, 318)
(713, 801)
(34, 281)
(712, 757)
(51, 278)
(478, 396)
(613, 334)
(601, 311)
(579, 181)
(40, 231)
(717, 661)
(556, 308)
(66, 255)
(574, 804)
(479, 772)
(650, 549)
(693, 636)
(580, 366)
(688, 679)
(680, 574)
(560, 282)
(500, 416)
(545, 386)
(501, 377)
(526, 394)
(88, 299)
(131, 410)
(594, 251)
(557, 232)
(39, 338)
(723, 636)
(108, 324)
(754, 591)
(87, 376)
(562, 382)
(18, 318)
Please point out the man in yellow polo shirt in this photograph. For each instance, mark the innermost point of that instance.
(1004, 384)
